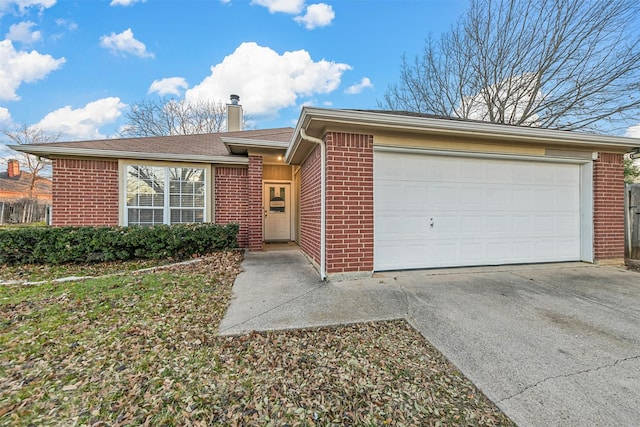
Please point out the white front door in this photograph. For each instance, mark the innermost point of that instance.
(277, 211)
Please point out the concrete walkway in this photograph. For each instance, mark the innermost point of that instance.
(553, 344)
(281, 290)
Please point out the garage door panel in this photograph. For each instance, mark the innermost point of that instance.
(446, 211)
(521, 224)
(499, 224)
(470, 225)
(445, 195)
(472, 195)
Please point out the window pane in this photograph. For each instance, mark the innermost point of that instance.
(187, 201)
(176, 218)
(147, 195)
(145, 200)
(187, 187)
(276, 199)
(198, 187)
(186, 215)
(158, 199)
(145, 216)
(134, 216)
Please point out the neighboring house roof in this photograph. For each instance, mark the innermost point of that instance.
(15, 188)
(198, 148)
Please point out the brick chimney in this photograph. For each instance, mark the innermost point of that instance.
(13, 168)
(234, 114)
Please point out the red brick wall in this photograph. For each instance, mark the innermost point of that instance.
(310, 205)
(85, 192)
(255, 214)
(231, 200)
(608, 206)
(349, 202)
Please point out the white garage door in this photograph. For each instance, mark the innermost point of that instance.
(443, 211)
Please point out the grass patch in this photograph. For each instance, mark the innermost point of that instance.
(36, 272)
(143, 349)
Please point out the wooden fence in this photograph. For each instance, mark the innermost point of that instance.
(24, 211)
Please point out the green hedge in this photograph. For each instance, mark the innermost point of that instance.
(58, 245)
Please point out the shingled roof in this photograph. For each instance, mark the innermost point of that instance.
(210, 144)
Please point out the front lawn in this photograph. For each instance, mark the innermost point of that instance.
(142, 349)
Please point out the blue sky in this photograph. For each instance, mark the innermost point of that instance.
(75, 66)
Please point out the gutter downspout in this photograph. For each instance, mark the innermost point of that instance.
(323, 212)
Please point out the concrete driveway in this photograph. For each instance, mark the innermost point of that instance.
(551, 344)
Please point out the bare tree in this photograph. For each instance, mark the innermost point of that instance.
(564, 64)
(174, 117)
(36, 166)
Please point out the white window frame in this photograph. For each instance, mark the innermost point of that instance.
(208, 191)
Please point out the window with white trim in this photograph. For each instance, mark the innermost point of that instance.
(164, 195)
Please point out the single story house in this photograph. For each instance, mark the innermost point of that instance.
(363, 191)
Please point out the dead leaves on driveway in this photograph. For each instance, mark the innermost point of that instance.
(143, 349)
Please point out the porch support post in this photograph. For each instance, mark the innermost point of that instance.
(254, 208)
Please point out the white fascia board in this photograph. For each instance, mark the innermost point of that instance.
(303, 121)
(459, 128)
(45, 151)
(254, 143)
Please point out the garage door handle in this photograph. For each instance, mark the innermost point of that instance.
(431, 225)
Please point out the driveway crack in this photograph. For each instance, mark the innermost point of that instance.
(569, 375)
(410, 297)
(408, 311)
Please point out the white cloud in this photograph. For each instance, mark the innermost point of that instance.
(168, 86)
(125, 43)
(22, 33)
(318, 15)
(515, 92)
(267, 81)
(24, 4)
(633, 131)
(85, 122)
(124, 2)
(65, 23)
(5, 117)
(5, 123)
(17, 67)
(359, 87)
(286, 6)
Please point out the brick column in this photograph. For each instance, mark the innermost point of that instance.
(349, 229)
(608, 206)
(232, 200)
(255, 214)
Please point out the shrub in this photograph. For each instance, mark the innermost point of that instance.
(58, 245)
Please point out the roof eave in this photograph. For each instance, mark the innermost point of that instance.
(325, 117)
(48, 152)
(242, 145)
(296, 137)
